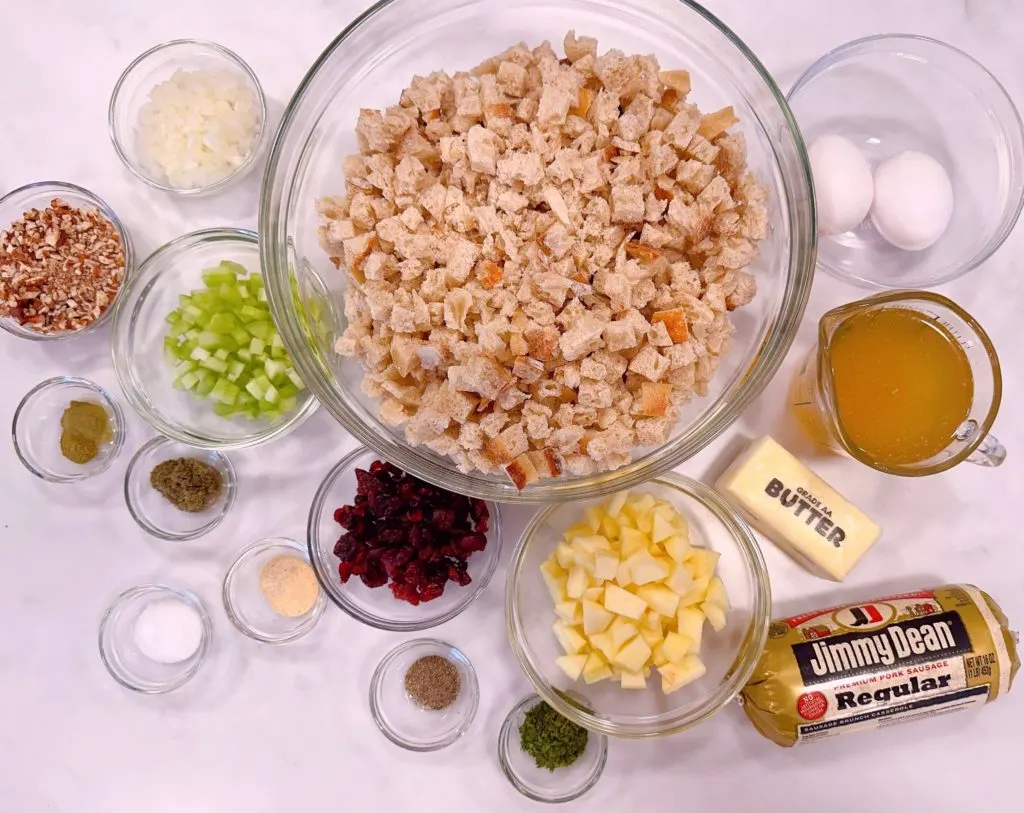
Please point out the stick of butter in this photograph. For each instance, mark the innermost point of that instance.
(797, 510)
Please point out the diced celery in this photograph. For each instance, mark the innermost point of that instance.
(200, 354)
(243, 291)
(222, 322)
(206, 385)
(230, 266)
(173, 317)
(255, 282)
(245, 354)
(193, 334)
(295, 379)
(222, 354)
(225, 410)
(251, 313)
(262, 295)
(257, 347)
(188, 380)
(287, 389)
(274, 369)
(215, 364)
(224, 392)
(219, 276)
(193, 312)
(288, 403)
(240, 336)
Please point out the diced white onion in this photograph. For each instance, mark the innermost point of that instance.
(198, 127)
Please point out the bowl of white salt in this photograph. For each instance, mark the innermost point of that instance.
(188, 117)
(154, 638)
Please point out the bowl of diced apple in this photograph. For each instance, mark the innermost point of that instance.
(196, 350)
(642, 614)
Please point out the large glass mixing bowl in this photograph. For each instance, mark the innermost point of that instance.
(369, 64)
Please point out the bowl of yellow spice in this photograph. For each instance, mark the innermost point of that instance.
(67, 429)
(176, 492)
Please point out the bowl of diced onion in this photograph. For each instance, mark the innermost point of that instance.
(196, 351)
(693, 568)
(188, 117)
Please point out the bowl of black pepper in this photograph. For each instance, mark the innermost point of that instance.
(547, 757)
(176, 492)
(424, 695)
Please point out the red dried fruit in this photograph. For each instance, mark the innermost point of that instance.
(408, 534)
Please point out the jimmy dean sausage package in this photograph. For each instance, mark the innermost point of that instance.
(886, 661)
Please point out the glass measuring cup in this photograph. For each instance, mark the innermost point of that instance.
(813, 399)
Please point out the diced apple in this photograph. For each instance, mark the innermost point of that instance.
(579, 580)
(660, 599)
(596, 668)
(717, 595)
(658, 656)
(690, 624)
(622, 602)
(591, 543)
(606, 565)
(633, 655)
(621, 631)
(594, 594)
(679, 580)
(593, 516)
(583, 560)
(697, 592)
(651, 636)
(645, 522)
(564, 555)
(604, 644)
(579, 529)
(625, 521)
(571, 640)
(676, 646)
(676, 675)
(652, 620)
(595, 618)
(677, 547)
(645, 569)
(631, 541)
(572, 665)
(622, 575)
(661, 528)
(703, 562)
(610, 528)
(569, 611)
(616, 502)
(715, 615)
(555, 577)
(632, 680)
(644, 504)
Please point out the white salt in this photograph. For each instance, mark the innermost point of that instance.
(168, 631)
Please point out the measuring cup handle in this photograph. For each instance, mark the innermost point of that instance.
(990, 453)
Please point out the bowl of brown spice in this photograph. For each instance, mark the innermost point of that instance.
(63, 257)
(424, 694)
(67, 429)
(271, 593)
(176, 492)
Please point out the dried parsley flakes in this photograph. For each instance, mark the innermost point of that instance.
(552, 741)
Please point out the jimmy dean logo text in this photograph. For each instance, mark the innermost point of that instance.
(918, 640)
(818, 514)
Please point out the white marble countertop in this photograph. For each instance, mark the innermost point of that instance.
(265, 730)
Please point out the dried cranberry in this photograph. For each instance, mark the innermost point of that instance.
(408, 534)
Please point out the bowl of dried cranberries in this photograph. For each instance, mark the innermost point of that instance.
(396, 552)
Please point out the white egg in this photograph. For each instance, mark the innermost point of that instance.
(843, 187)
(913, 200)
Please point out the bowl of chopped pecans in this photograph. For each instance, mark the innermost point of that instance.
(63, 257)
(553, 269)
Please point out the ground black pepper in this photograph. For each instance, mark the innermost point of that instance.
(551, 739)
(433, 682)
(188, 484)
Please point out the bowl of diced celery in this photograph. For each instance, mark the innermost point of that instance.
(196, 350)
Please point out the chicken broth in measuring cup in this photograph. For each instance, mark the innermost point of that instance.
(906, 382)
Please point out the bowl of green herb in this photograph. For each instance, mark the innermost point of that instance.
(547, 757)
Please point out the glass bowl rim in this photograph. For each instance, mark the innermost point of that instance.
(504, 739)
(123, 367)
(876, 44)
(495, 537)
(104, 208)
(181, 594)
(220, 50)
(746, 658)
(247, 553)
(274, 248)
(388, 661)
(116, 418)
(229, 493)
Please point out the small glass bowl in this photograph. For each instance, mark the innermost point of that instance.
(36, 429)
(157, 65)
(126, 664)
(138, 344)
(902, 92)
(540, 784)
(13, 206)
(730, 655)
(399, 717)
(245, 604)
(377, 607)
(154, 513)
